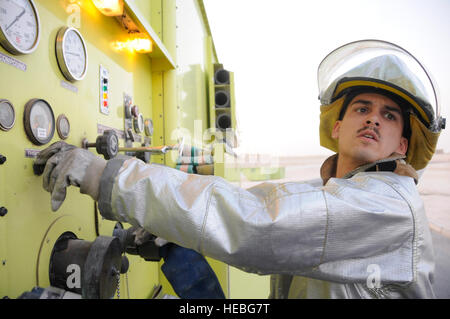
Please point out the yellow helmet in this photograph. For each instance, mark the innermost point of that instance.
(383, 66)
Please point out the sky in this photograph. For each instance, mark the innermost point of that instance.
(274, 49)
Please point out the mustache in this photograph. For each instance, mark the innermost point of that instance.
(370, 128)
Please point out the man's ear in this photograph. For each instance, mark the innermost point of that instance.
(335, 132)
(403, 147)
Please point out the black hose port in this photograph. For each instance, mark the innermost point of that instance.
(222, 98)
(221, 77)
(146, 248)
(90, 269)
(223, 121)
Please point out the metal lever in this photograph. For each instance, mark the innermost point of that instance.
(107, 145)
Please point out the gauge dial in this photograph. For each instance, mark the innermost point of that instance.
(148, 126)
(138, 123)
(71, 54)
(7, 115)
(39, 121)
(63, 126)
(19, 26)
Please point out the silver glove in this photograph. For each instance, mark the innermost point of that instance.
(63, 165)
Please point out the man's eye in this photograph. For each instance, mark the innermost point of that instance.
(361, 110)
(390, 116)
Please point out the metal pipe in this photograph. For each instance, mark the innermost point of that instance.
(156, 149)
(68, 250)
(163, 149)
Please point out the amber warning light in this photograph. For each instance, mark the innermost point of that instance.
(139, 44)
(109, 8)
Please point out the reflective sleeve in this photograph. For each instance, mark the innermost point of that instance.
(332, 232)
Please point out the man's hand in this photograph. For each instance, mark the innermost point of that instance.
(63, 165)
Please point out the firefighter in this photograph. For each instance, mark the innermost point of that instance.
(360, 233)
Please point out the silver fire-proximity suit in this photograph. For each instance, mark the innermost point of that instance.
(364, 236)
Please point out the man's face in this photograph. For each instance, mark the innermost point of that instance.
(371, 129)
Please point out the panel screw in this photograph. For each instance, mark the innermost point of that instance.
(2, 159)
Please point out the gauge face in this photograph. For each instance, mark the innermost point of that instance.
(71, 54)
(19, 26)
(148, 125)
(63, 126)
(138, 123)
(39, 121)
(7, 115)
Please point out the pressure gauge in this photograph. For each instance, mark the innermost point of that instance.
(7, 115)
(39, 121)
(19, 26)
(138, 123)
(71, 53)
(63, 126)
(148, 127)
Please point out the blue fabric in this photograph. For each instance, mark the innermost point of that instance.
(189, 273)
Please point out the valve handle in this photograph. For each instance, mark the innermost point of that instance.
(107, 144)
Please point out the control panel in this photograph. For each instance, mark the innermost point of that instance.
(67, 73)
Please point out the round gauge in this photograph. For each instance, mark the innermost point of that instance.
(7, 115)
(71, 54)
(138, 123)
(148, 126)
(39, 121)
(63, 126)
(19, 26)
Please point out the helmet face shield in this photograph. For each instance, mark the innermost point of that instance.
(384, 65)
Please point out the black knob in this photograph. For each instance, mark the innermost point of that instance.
(2, 159)
(107, 144)
(3, 211)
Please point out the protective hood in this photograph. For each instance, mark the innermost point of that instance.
(383, 65)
